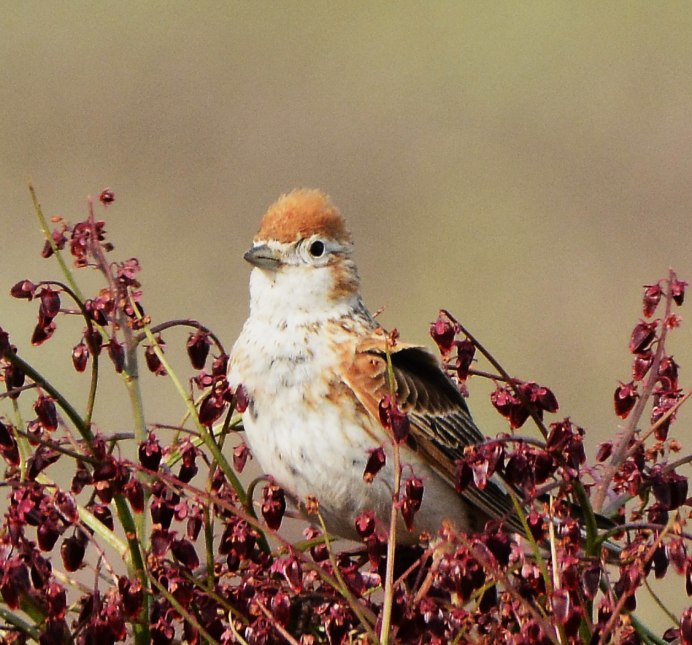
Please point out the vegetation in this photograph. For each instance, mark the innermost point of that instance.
(157, 539)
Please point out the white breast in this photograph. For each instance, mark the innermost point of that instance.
(311, 444)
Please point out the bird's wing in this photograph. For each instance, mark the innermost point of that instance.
(441, 424)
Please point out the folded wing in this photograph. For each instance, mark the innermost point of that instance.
(441, 424)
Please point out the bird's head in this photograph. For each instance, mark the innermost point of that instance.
(302, 256)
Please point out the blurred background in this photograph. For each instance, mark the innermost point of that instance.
(527, 166)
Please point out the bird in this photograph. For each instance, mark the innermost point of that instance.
(313, 364)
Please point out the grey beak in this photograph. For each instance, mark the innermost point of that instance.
(263, 257)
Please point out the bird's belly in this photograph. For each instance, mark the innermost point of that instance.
(322, 453)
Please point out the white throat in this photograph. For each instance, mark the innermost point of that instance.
(296, 295)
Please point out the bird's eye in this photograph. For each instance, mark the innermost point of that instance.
(316, 249)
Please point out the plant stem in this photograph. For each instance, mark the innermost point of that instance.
(388, 603)
(49, 238)
(204, 432)
(621, 446)
(135, 544)
(83, 429)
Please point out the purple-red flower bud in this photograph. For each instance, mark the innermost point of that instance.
(605, 449)
(23, 289)
(465, 353)
(642, 363)
(134, 491)
(198, 345)
(625, 397)
(107, 196)
(116, 351)
(132, 593)
(150, 452)
(42, 332)
(72, 551)
(375, 462)
(219, 366)
(443, 331)
(273, 505)
(80, 356)
(240, 456)
(365, 524)
(46, 413)
(642, 336)
(677, 290)
(394, 419)
(184, 551)
(153, 361)
(50, 303)
(652, 296)
(211, 409)
(242, 399)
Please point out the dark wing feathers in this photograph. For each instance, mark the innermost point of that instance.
(441, 424)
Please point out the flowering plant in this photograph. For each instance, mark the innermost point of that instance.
(150, 535)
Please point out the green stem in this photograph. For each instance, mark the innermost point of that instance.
(136, 567)
(184, 612)
(83, 429)
(339, 584)
(590, 524)
(644, 631)
(49, 237)
(25, 450)
(203, 430)
(21, 625)
(535, 549)
(131, 372)
(100, 529)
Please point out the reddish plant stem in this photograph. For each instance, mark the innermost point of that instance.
(622, 445)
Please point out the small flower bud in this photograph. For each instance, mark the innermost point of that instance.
(465, 353)
(42, 333)
(4, 342)
(375, 462)
(50, 303)
(652, 296)
(219, 366)
(150, 453)
(365, 524)
(153, 361)
(198, 345)
(273, 505)
(80, 356)
(107, 196)
(134, 491)
(642, 336)
(443, 331)
(94, 341)
(211, 409)
(14, 379)
(625, 397)
(184, 551)
(23, 289)
(242, 399)
(102, 513)
(240, 456)
(677, 290)
(72, 551)
(116, 351)
(46, 412)
(642, 363)
(394, 419)
(605, 449)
